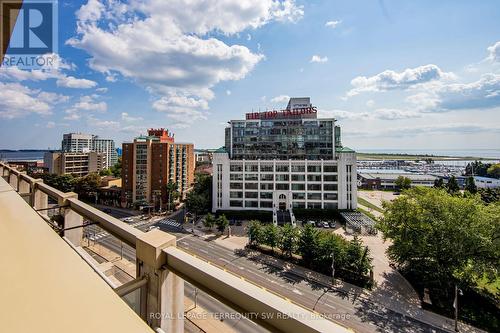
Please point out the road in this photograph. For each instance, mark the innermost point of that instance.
(360, 314)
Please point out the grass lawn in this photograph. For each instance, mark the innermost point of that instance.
(492, 287)
(368, 204)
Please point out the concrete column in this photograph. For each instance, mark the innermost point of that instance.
(24, 186)
(164, 300)
(71, 219)
(13, 180)
(39, 200)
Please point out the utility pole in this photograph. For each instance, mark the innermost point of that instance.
(455, 305)
(333, 267)
(195, 297)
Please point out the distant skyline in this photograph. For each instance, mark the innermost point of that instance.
(416, 75)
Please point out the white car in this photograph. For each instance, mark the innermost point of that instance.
(153, 227)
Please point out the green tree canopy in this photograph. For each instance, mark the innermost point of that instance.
(440, 238)
(470, 185)
(494, 171)
(452, 185)
(209, 221)
(255, 233)
(308, 243)
(403, 183)
(287, 239)
(221, 223)
(271, 236)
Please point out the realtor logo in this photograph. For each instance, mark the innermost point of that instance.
(35, 30)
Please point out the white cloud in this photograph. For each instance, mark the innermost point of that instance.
(280, 99)
(72, 82)
(481, 94)
(319, 59)
(494, 52)
(228, 92)
(370, 103)
(169, 46)
(128, 118)
(102, 90)
(380, 114)
(332, 24)
(17, 101)
(391, 80)
(50, 124)
(84, 105)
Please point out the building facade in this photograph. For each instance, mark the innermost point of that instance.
(387, 181)
(151, 162)
(282, 160)
(84, 143)
(77, 164)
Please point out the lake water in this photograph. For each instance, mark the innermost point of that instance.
(484, 153)
(22, 155)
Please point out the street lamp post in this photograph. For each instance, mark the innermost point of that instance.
(458, 291)
(333, 267)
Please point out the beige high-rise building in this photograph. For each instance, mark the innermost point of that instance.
(151, 162)
(78, 164)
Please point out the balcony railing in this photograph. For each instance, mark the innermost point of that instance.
(162, 267)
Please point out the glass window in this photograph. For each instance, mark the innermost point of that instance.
(266, 204)
(236, 186)
(252, 204)
(330, 168)
(267, 186)
(314, 205)
(251, 186)
(298, 187)
(314, 178)
(330, 205)
(299, 195)
(236, 176)
(236, 167)
(314, 196)
(314, 187)
(251, 176)
(298, 178)
(266, 168)
(281, 168)
(314, 168)
(251, 195)
(330, 196)
(282, 186)
(298, 204)
(266, 195)
(236, 203)
(236, 194)
(282, 178)
(330, 178)
(267, 177)
(251, 168)
(330, 187)
(298, 168)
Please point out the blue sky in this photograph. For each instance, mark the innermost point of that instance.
(396, 74)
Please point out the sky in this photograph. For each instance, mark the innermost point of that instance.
(395, 74)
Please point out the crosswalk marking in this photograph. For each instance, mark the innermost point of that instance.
(171, 223)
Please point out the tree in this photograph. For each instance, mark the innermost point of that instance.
(105, 172)
(172, 193)
(199, 199)
(87, 187)
(440, 239)
(357, 259)
(452, 185)
(494, 171)
(221, 223)
(470, 185)
(255, 233)
(209, 221)
(308, 243)
(116, 169)
(287, 239)
(403, 183)
(438, 183)
(271, 235)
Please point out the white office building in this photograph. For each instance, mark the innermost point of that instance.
(84, 143)
(282, 160)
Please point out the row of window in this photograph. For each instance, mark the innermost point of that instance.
(269, 204)
(282, 168)
(283, 177)
(284, 187)
(269, 195)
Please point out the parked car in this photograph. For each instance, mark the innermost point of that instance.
(311, 223)
(332, 224)
(325, 225)
(153, 227)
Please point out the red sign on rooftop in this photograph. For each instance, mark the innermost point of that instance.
(309, 112)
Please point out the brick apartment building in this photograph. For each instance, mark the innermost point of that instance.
(150, 162)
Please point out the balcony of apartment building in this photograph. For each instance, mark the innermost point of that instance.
(51, 283)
